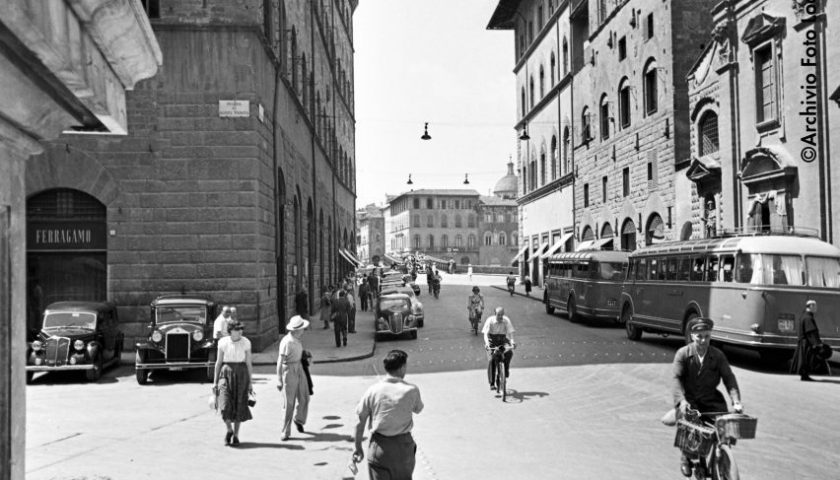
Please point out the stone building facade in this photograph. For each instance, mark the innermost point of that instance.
(631, 104)
(442, 224)
(763, 125)
(545, 125)
(498, 230)
(63, 65)
(370, 247)
(237, 178)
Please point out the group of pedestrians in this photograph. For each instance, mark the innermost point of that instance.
(338, 305)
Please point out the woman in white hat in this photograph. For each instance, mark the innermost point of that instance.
(291, 377)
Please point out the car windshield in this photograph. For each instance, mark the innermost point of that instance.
(193, 314)
(70, 319)
(402, 291)
(392, 303)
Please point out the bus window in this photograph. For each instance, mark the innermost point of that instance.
(744, 270)
(631, 268)
(683, 268)
(823, 271)
(671, 272)
(641, 271)
(698, 266)
(581, 270)
(711, 268)
(653, 269)
(609, 271)
(771, 269)
(727, 265)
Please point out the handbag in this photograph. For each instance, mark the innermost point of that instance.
(252, 398)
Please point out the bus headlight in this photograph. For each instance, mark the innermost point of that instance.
(157, 336)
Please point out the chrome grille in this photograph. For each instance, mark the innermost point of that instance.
(57, 349)
(177, 347)
(396, 322)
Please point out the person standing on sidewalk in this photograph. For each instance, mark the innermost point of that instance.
(302, 303)
(232, 380)
(351, 318)
(387, 408)
(291, 376)
(806, 360)
(364, 294)
(220, 326)
(340, 315)
(527, 286)
(326, 302)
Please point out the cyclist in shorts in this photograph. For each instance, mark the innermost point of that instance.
(498, 330)
(475, 307)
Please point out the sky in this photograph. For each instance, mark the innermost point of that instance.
(431, 61)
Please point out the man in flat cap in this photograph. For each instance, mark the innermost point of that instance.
(698, 369)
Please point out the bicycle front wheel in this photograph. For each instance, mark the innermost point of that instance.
(502, 382)
(724, 466)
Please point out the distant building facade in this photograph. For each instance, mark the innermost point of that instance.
(237, 179)
(498, 230)
(371, 227)
(763, 122)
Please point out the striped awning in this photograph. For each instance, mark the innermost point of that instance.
(519, 255)
(557, 245)
(346, 256)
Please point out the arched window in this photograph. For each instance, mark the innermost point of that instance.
(416, 244)
(524, 105)
(471, 242)
(586, 129)
(708, 134)
(651, 91)
(605, 117)
(566, 146)
(514, 239)
(444, 241)
(554, 157)
(431, 242)
(502, 239)
(553, 65)
(458, 222)
(565, 56)
(542, 81)
(588, 234)
(488, 238)
(293, 61)
(416, 221)
(444, 222)
(430, 221)
(542, 165)
(525, 179)
(471, 221)
(628, 235)
(531, 93)
(655, 231)
(624, 102)
(459, 241)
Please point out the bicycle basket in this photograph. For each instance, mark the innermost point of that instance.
(736, 425)
(694, 439)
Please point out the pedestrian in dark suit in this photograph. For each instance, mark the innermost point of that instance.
(806, 359)
(373, 281)
(340, 316)
(364, 294)
(302, 304)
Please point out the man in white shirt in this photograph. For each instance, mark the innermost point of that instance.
(220, 325)
(387, 408)
(498, 330)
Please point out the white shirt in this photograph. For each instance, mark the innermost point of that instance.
(291, 348)
(234, 351)
(220, 326)
(491, 326)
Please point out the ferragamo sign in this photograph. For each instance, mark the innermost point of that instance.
(66, 236)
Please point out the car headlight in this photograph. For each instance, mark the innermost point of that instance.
(79, 345)
(157, 336)
(37, 346)
(198, 335)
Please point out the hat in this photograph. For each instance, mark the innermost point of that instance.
(700, 324)
(297, 323)
(235, 325)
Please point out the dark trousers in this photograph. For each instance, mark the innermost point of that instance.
(351, 323)
(491, 367)
(340, 329)
(364, 299)
(391, 458)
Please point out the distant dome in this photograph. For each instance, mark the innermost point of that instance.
(506, 186)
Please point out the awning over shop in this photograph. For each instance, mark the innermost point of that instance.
(538, 252)
(557, 245)
(345, 255)
(392, 259)
(352, 256)
(519, 255)
(594, 244)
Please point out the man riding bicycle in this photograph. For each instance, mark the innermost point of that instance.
(498, 330)
(475, 307)
(511, 282)
(697, 370)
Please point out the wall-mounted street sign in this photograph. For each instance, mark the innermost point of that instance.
(234, 108)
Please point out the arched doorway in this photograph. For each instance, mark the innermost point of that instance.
(655, 231)
(66, 250)
(607, 237)
(588, 234)
(628, 235)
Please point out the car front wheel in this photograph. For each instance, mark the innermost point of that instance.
(95, 373)
(141, 374)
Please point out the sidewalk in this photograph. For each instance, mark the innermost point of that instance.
(321, 342)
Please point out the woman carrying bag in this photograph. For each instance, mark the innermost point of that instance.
(232, 380)
(292, 377)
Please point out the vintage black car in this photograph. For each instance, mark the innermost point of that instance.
(76, 336)
(394, 316)
(180, 336)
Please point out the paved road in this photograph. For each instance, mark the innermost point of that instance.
(585, 404)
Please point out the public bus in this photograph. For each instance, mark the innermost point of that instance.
(585, 284)
(754, 287)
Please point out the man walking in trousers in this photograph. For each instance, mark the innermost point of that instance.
(387, 408)
(340, 316)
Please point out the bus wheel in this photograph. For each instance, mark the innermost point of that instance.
(570, 305)
(633, 332)
(686, 331)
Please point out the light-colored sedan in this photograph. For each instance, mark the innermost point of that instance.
(416, 305)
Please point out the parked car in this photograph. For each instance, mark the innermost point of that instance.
(416, 305)
(180, 337)
(393, 315)
(76, 336)
(390, 279)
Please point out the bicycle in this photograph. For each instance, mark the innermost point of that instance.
(497, 353)
(475, 318)
(708, 446)
(511, 286)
